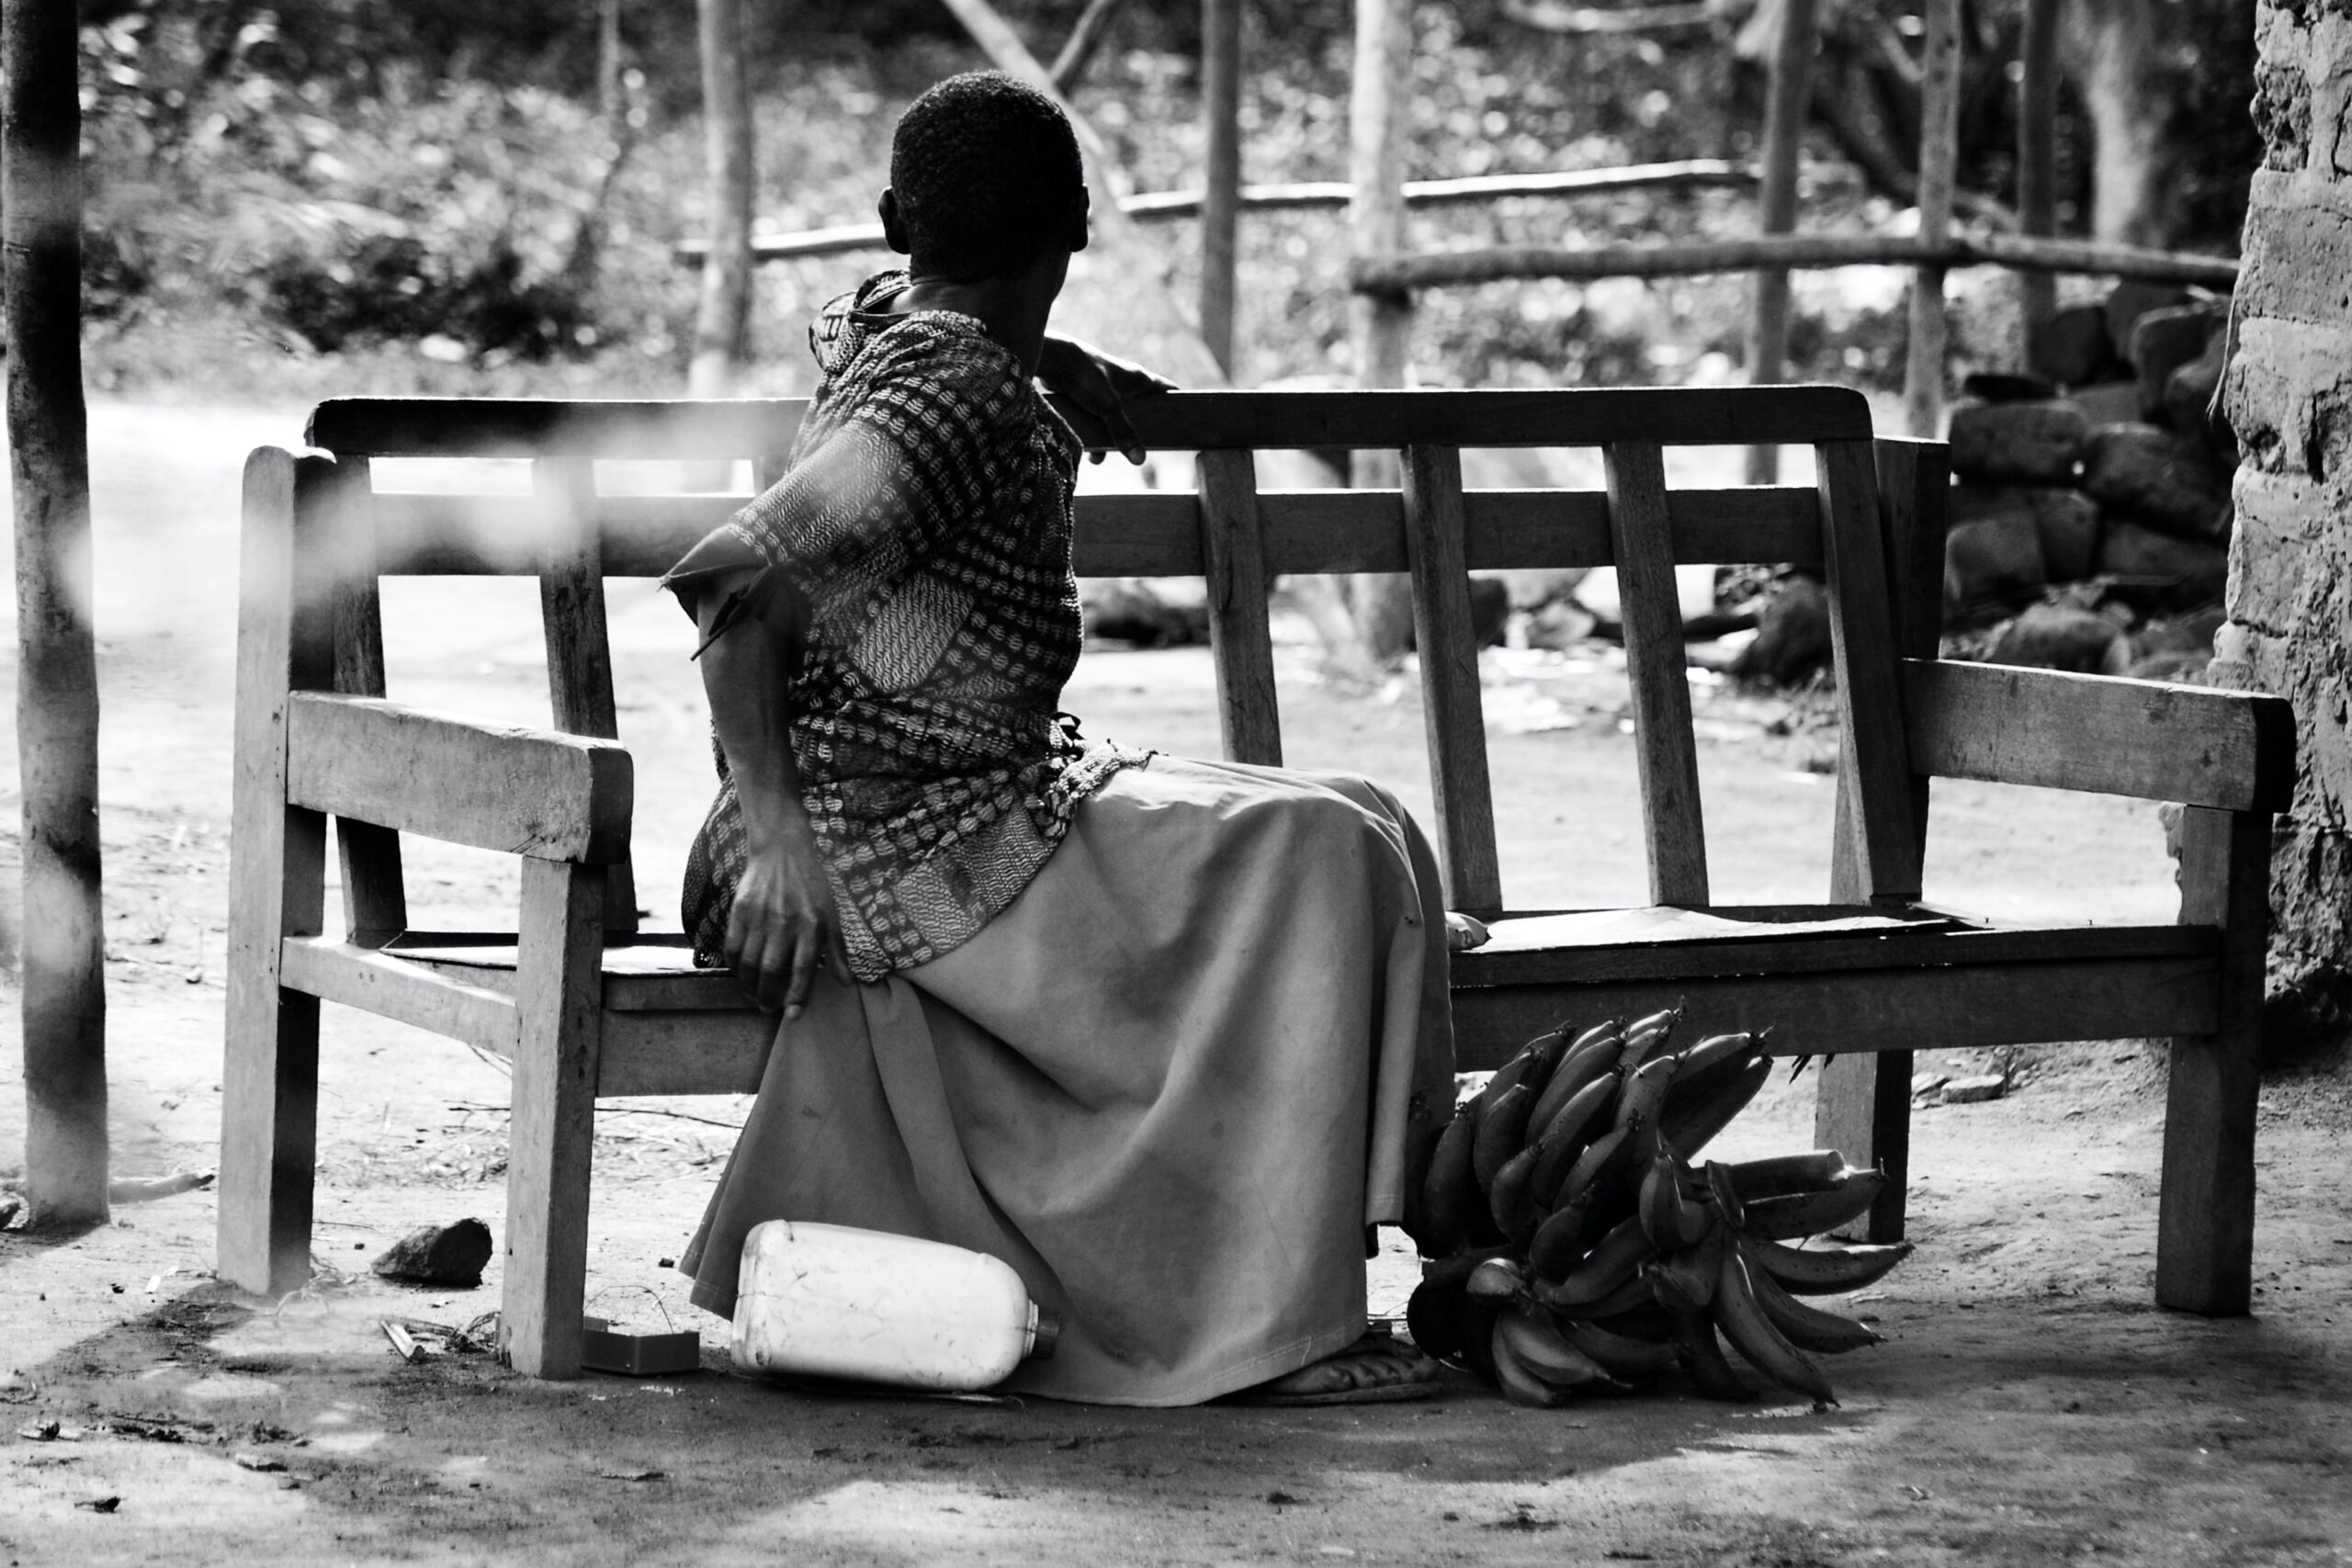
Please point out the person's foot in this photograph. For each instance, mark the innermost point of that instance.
(1378, 1367)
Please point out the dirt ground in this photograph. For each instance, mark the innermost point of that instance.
(2030, 1405)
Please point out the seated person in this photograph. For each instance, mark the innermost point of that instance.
(1166, 1036)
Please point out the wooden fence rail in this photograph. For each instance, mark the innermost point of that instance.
(1329, 196)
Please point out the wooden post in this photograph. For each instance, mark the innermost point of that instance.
(723, 321)
(1768, 329)
(1381, 324)
(64, 1007)
(1221, 206)
(2038, 167)
(1922, 376)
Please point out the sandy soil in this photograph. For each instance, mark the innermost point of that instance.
(2030, 1405)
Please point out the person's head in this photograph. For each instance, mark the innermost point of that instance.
(984, 178)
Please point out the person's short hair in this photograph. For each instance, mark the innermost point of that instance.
(985, 168)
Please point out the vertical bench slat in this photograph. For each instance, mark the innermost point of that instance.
(1659, 673)
(1873, 767)
(1233, 544)
(1863, 1104)
(375, 900)
(571, 612)
(270, 1082)
(1452, 708)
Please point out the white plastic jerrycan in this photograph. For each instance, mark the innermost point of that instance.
(836, 1302)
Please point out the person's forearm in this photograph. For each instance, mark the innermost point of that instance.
(747, 674)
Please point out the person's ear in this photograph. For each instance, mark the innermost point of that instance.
(1078, 229)
(894, 223)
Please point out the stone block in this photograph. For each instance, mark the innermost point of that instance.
(2154, 476)
(2065, 520)
(2181, 573)
(2072, 349)
(1993, 563)
(2110, 402)
(2282, 522)
(2162, 341)
(2007, 387)
(2297, 264)
(2059, 637)
(2130, 301)
(2023, 443)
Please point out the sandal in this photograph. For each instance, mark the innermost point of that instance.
(1379, 1369)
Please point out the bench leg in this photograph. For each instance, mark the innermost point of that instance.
(559, 1003)
(2205, 1214)
(1862, 1107)
(269, 1112)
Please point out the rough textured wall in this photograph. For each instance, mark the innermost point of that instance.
(2289, 395)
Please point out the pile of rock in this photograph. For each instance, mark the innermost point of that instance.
(2108, 467)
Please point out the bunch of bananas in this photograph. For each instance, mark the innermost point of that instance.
(1570, 1243)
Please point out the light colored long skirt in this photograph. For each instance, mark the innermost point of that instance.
(1169, 1085)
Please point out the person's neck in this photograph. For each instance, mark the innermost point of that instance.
(1012, 309)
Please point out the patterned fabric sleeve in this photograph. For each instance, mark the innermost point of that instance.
(918, 455)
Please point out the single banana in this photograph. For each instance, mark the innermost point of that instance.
(1620, 1355)
(1634, 1295)
(1558, 1242)
(1566, 1137)
(1785, 1176)
(1827, 1270)
(1665, 1018)
(1448, 1185)
(1503, 1080)
(1701, 1356)
(1497, 1280)
(1643, 1044)
(1517, 1381)
(1501, 1132)
(1690, 1129)
(1605, 1029)
(1806, 1326)
(1599, 1169)
(1811, 1214)
(1544, 1350)
(1751, 1333)
(1509, 1202)
(1644, 1093)
(1594, 1064)
(1455, 1270)
(1616, 1259)
(1672, 1219)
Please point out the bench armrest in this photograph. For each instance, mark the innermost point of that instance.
(2229, 751)
(527, 792)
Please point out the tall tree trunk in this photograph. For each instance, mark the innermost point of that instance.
(1221, 204)
(1379, 112)
(1794, 30)
(723, 324)
(57, 683)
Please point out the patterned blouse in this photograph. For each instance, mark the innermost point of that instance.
(926, 523)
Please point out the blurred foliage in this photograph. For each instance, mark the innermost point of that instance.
(427, 192)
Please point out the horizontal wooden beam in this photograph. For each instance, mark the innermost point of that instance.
(376, 982)
(2019, 253)
(1148, 535)
(688, 429)
(1928, 946)
(2148, 739)
(685, 1053)
(526, 791)
(1325, 195)
(1884, 1010)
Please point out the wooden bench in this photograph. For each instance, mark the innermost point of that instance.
(584, 1006)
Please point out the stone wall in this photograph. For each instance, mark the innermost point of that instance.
(2289, 395)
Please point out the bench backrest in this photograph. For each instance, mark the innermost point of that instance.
(1871, 526)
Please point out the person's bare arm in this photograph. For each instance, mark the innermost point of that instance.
(784, 922)
(1096, 388)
